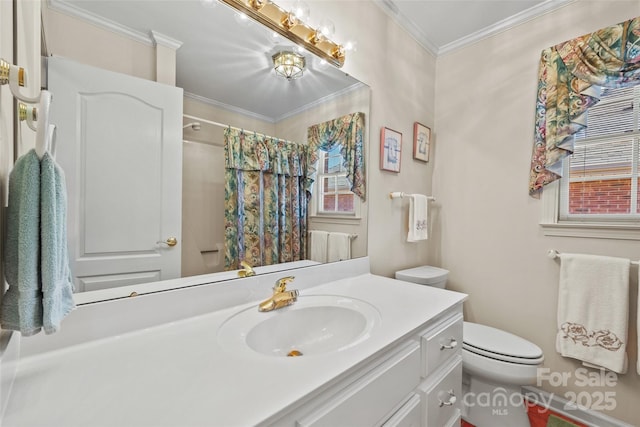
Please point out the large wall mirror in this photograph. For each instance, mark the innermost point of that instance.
(224, 64)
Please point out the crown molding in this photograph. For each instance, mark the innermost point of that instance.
(391, 9)
(228, 107)
(320, 101)
(165, 41)
(505, 24)
(71, 10)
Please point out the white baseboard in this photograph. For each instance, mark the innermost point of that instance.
(564, 407)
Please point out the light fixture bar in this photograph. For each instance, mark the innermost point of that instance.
(286, 24)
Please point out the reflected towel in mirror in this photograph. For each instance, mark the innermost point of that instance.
(339, 247)
(318, 245)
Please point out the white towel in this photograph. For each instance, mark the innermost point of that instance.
(318, 245)
(418, 209)
(339, 247)
(593, 310)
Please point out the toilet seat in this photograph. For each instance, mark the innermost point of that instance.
(500, 345)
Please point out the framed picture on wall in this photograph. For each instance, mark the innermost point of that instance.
(390, 149)
(421, 142)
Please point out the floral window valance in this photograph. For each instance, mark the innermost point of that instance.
(250, 151)
(609, 57)
(347, 131)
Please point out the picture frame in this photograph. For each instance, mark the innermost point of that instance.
(390, 149)
(421, 142)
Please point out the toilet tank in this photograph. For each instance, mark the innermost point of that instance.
(425, 275)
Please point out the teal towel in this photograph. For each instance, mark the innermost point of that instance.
(21, 308)
(57, 288)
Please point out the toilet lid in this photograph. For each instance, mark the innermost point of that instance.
(499, 344)
(425, 275)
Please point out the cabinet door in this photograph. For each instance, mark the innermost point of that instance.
(409, 415)
(368, 399)
(443, 396)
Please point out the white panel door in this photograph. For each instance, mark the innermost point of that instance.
(119, 141)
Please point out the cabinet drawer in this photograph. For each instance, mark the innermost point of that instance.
(368, 399)
(409, 415)
(443, 397)
(441, 343)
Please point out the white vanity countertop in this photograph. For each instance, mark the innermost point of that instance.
(177, 374)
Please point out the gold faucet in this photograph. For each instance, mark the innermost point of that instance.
(281, 297)
(246, 270)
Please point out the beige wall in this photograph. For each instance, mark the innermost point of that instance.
(487, 227)
(401, 75)
(84, 42)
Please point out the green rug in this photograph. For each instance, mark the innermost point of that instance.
(554, 421)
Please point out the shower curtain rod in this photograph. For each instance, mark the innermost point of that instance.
(222, 125)
(215, 144)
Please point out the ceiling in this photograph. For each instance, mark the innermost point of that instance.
(224, 61)
(444, 25)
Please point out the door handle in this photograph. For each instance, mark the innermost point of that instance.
(171, 241)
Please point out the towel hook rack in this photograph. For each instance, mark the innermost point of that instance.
(28, 113)
(15, 77)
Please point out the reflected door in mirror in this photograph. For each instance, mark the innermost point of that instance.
(119, 143)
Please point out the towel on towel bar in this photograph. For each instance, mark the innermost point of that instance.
(593, 310)
(318, 245)
(418, 209)
(339, 247)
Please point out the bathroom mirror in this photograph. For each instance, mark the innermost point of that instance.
(224, 66)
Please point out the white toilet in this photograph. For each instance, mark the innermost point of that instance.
(495, 364)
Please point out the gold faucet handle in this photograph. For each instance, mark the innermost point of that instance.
(246, 270)
(281, 284)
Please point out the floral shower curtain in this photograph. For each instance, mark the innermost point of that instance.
(609, 57)
(265, 200)
(348, 132)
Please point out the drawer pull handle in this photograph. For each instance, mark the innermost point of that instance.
(451, 401)
(452, 344)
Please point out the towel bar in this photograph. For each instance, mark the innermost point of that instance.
(400, 195)
(553, 254)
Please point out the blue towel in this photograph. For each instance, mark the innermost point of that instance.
(57, 288)
(21, 308)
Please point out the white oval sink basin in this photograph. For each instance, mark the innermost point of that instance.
(315, 324)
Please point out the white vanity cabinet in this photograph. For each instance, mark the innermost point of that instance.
(415, 382)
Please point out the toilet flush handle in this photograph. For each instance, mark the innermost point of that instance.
(453, 343)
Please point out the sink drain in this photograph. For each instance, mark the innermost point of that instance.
(294, 353)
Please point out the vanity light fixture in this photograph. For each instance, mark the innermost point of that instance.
(289, 65)
(289, 25)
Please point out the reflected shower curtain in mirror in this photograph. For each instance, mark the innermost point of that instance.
(609, 57)
(265, 200)
(347, 131)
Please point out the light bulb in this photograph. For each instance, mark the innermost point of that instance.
(351, 46)
(326, 28)
(301, 10)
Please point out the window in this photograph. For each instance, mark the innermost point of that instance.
(602, 173)
(600, 180)
(333, 194)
